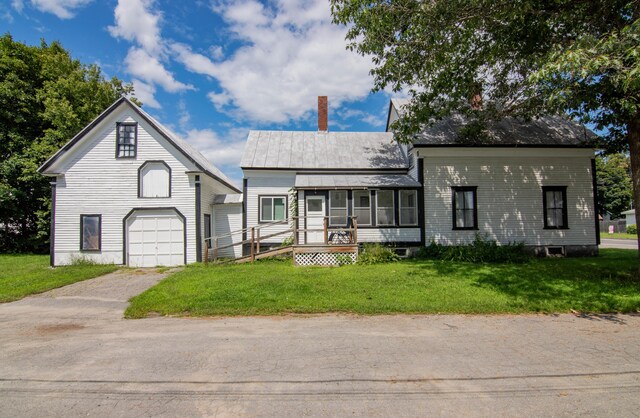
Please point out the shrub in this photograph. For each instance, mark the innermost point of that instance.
(376, 253)
(632, 229)
(288, 241)
(481, 250)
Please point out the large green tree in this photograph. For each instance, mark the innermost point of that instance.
(46, 97)
(526, 58)
(614, 184)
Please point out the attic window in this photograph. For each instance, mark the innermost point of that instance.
(154, 179)
(127, 139)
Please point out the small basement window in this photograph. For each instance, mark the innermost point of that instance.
(127, 139)
(155, 179)
(90, 232)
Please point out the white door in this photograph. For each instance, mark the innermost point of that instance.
(155, 238)
(315, 219)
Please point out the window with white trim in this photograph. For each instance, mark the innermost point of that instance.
(155, 180)
(127, 136)
(362, 206)
(385, 211)
(273, 208)
(338, 208)
(408, 207)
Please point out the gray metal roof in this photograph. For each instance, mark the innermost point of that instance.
(350, 181)
(322, 150)
(225, 199)
(547, 131)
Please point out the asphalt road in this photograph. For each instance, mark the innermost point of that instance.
(70, 353)
(629, 244)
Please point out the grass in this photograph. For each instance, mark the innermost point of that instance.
(609, 283)
(23, 275)
(618, 235)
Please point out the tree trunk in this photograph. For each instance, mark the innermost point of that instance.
(633, 130)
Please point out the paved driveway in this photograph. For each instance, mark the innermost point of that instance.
(70, 353)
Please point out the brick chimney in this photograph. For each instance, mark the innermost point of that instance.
(323, 118)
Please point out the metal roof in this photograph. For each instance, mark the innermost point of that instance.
(350, 181)
(225, 199)
(323, 150)
(546, 131)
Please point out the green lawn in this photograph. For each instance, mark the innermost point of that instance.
(22, 275)
(618, 235)
(604, 284)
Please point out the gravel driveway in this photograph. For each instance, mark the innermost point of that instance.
(69, 353)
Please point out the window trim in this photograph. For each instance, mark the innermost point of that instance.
(565, 212)
(135, 137)
(400, 207)
(454, 190)
(207, 222)
(393, 207)
(272, 196)
(346, 208)
(99, 216)
(140, 191)
(353, 207)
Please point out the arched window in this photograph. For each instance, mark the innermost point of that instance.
(154, 179)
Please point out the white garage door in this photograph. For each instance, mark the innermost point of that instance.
(155, 238)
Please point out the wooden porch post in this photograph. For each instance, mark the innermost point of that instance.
(253, 244)
(206, 252)
(215, 249)
(326, 230)
(296, 226)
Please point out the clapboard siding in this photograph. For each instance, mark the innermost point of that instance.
(227, 219)
(209, 188)
(509, 194)
(267, 184)
(95, 182)
(389, 235)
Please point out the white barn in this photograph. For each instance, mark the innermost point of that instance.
(126, 190)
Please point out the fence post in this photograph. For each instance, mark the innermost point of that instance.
(206, 251)
(326, 230)
(253, 244)
(215, 249)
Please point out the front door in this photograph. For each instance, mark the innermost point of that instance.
(315, 219)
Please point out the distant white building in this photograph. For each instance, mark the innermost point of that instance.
(630, 216)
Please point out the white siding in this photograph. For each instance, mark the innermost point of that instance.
(95, 182)
(267, 183)
(389, 235)
(208, 189)
(226, 219)
(509, 193)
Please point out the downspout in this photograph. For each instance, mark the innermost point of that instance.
(198, 220)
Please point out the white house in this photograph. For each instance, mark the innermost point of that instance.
(629, 216)
(126, 190)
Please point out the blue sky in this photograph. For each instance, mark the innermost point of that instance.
(212, 70)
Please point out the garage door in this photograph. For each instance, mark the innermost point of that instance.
(155, 238)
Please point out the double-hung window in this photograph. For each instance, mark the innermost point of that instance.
(90, 232)
(273, 208)
(362, 206)
(385, 213)
(338, 208)
(465, 210)
(554, 201)
(126, 140)
(408, 207)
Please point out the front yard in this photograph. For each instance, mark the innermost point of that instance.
(609, 283)
(617, 235)
(23, 275)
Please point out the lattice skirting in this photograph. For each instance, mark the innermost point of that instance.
(325, 259)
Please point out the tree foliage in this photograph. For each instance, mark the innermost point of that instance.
(614, 184)
(526, 58)
(46, 97)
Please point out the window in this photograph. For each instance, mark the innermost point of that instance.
(127, 134)
(362, 206)
(465, 212)
(154, 179)
(207, 229)
(273, 208)
(338, 208)
(408, 207)
(554, 201)
(385, 214)
(90, 232)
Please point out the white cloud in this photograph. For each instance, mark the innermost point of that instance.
(149, 68)
(365, 117)
(18, 5)
(292, 54)
(220, 153)
(135, 21)
(185, 116)
(145, 92)
(64, 9)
